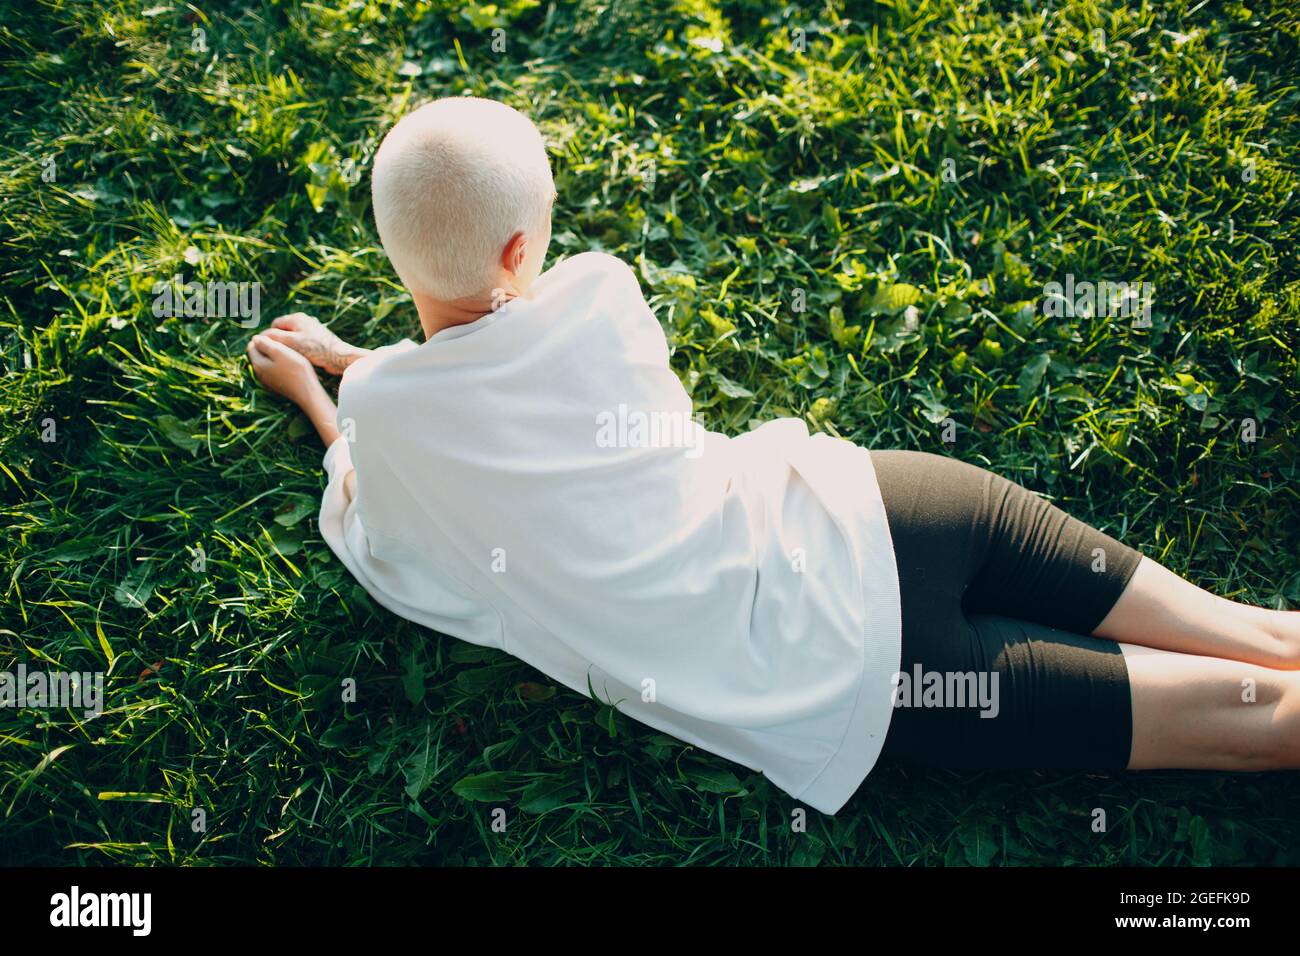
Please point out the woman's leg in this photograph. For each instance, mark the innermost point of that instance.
(998, 582)
(1036, 562)
(998, 596)
(1066, 701)
(1205, 713)
(990, 692)
(1159, 609)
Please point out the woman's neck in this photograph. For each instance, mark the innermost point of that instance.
(438, 314)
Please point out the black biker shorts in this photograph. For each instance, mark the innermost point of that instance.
(1001, 591)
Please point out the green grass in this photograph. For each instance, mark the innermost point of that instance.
(1165, 151)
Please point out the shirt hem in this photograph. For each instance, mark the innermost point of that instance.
(868, 724)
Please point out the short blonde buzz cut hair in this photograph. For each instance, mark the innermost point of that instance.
(452, 182)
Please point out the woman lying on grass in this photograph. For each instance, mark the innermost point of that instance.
(529, 478)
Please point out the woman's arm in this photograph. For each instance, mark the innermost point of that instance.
(320, 408)
(309, 337)
(287, 372)
(324, 415)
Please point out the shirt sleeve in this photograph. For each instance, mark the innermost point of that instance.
(396, 575)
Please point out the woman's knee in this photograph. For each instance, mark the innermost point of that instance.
(1271, 737)
(1199, 712)
(1280, 636)
(1284, 728)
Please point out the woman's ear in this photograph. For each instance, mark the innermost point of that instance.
(513, 255)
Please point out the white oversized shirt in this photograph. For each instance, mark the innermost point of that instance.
(532, 481)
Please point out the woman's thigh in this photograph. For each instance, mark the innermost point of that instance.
(1001, 592)
(962, 531)
(993, 581)
(1065, 701)
(998, 692)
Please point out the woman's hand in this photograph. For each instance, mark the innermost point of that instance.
(309, 337)
(286, 372)
(283, 370)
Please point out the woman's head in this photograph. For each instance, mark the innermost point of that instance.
(462, 197)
